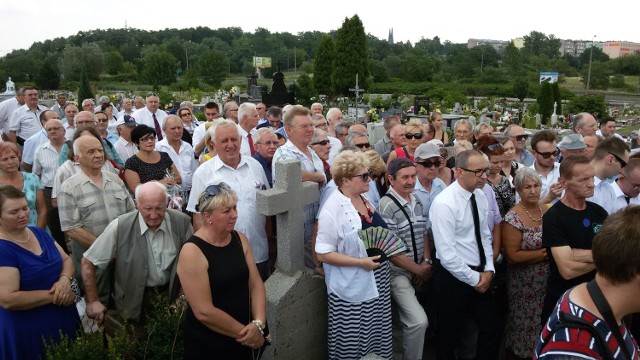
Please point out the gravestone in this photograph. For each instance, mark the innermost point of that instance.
(279, 96)
(421, 102)
(296, 301)
(554, 117)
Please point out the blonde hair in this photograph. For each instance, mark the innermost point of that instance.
(376, 164)
(346, 164)
(413, 125)
(225, 198)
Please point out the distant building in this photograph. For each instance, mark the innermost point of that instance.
(499, 45)
(616, 49)
(576, 47)
(390, 39)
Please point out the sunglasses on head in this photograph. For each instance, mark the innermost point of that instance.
(547, 155)
(321, 142)
(429, 164)
(211, 191)
(363, 145)
(521, 137)
(410, 136)
(494, 147)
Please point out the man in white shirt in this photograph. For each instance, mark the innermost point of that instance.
(464, 247)
(627, 186)
(37, 139)
(584, 124)
(261, 108)
(151, 116)
(70, 112)
(611, 156)
(608, 128)
(181, 152)
(545, 152)
(24, 122)
(124, 146)
(7, 107)
(211, 112)
(247, 121)
(245, 176)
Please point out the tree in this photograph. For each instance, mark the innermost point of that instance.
(213, 67)
(351, 56)
(49, 76)
(587, 103)
(84, 91)
(512, 59)
(88, 56)
(159, 68)
(114, 62)
(378, 71)
(599, 75)
(323, 66)
(304, 90)
(545, 102)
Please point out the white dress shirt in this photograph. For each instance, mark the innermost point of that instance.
(7, 108)
(604, 195)
(245, 180)
(620, 201)
(26, 122)
(183, 160)
(336, 146)
(198, 135)
(245, 149)
(32, 144)
(69, 131)
(454, 234)
(145, 117)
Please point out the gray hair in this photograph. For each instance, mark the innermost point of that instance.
(262, 132)
(341, 124)
(577, 121)
(142, 187)
(331, 112)
(317, 134)
(524, 173)
(188, 104)
(170, 117)
(224, 123)
(317, 104)
(86, 101)
(481, 126)
(463, 122)
(244, 109)
(353, 135)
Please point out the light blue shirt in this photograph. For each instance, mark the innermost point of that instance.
(427, 197)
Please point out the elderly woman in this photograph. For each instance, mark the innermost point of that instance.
(227, 299)
(493, 149)
(36, 300)
(149, 164)
(528, 265)
(377, 171)
(414, 132)
(322, 146)
(357, 285)
(440, 134)
(510, 165)
(28, 183)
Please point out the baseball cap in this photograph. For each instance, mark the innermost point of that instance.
(398, 164)
(572, 142)
(426, 151)
(127, 120)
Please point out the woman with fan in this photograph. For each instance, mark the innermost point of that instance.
(357, 284)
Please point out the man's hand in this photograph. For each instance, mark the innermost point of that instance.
(424, 273)
(484, 282)
(96, 311)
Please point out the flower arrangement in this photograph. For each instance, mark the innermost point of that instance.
(422, 111)
(373, 115)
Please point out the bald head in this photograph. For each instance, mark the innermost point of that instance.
(357, 127)
(89, 153)
(85, 118)
(151, 190)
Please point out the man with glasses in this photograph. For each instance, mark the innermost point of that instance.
(266, 144)
(519, 138)
(611, 156)
(24, 121)
(151, 115)
(88, 105)
(261, 108)
(464, 247)
(403, 213)
(545, 152)
(429, 185)
(37, 139)
(211, 112)
(626, 188)
(231, 111)
(358, 139)
(569, 227)
(7, 107)
(463, 130)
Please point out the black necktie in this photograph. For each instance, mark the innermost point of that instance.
(157, 126)
(476, 226)
(627, 198)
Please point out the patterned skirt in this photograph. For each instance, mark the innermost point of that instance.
(360, 328)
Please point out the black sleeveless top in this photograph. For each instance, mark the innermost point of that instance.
(229, 283)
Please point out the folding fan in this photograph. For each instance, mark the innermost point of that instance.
(380, 241)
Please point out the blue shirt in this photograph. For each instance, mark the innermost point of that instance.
(426, 197)
(266, 165)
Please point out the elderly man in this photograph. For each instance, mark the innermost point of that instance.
(298, 125)
(88, 201)
(611, 156)
(37, 139)
(316, 108)
(482, 129)
(463, 130)
(569, 227)
(519, 138)
(7, 107)
(266, 143)
(429, 185)
(584, 124)
(211, 112)
(591, 141)
(45, 165)
(571, 145)
(334, 116)
(245, 176)
(24, 121)
(321, 123)
(88, 105)
(70, 112)
(383, 145)
(464, 248)
(143, 246)
(358, 139)
(151, 115)
(247, 121)
(127, 108)
(322, 146)
(274, 119)
(138, 103)
(398, 140)
(61, 101)
(231, 111)
(180, 151)
(124, 146)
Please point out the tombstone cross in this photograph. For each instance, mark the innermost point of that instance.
(357, 91)
(287, 200)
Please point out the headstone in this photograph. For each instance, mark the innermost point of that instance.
(421, 102)
(11, 88)
(296, 301)
(457, 109)
(538, 120)
(252, 85)
(554, 117)
(279, 95)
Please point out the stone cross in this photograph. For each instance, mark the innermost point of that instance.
(357, 91)
(286, 200)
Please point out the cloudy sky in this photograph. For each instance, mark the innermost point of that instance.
(25, 22)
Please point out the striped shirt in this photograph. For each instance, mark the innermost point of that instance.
(45, 163)
(70, 168)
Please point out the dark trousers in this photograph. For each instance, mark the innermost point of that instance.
(53, 221)
(457, 301)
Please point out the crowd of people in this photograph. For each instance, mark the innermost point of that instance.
(492, 237)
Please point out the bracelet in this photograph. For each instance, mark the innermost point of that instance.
(68, 277)
(256, 323)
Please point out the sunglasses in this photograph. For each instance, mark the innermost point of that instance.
(521, 137)
(429, 164)
(363, 145)
(364, 177)
(211, 191)
(410, 136)
(620, 160)
(547, 155)
(321, 142)
(494, 147)
(185, 114)
(478, 172)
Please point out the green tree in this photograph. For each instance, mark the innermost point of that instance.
(545, 102)
(587, 103)
(323, 66)
(351, 56)
(84, 91)
(49, 76)
(512, 59)
(304, 90)
(88, 56)
(114, 62)
(213, 67)
(159, 68)
(378, 71)
(600, 73)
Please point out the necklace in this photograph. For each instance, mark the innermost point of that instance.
(26, 240)
(531, 217)
(369, 216)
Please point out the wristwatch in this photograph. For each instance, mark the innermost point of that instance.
(428, 261)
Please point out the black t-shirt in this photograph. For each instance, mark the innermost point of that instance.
(564, 226)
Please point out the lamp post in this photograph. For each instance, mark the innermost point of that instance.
(590, 58)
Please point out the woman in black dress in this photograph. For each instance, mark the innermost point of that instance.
(227, 299)
(148, 164)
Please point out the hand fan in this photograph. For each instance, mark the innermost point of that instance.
(380, 241)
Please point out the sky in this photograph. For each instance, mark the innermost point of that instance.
(24, 22)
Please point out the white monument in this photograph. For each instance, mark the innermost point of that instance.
(554, 117)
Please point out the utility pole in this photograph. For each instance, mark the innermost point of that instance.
(590, 58)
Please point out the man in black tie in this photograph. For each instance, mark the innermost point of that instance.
(464, 247)
(151, 115)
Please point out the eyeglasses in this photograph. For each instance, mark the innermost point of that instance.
(547, 155)
(364, 177)
(85, 122)
(363, 145)
(521, 137)
(478, 172)
(322, 125)
(410, 136)
(494, 147)
(211, 191)
(621, 161)
(270, 143)
(103, 120)
(321, 142)
(185, 114)
(304, 127)
(429, 164)
(147, 138)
